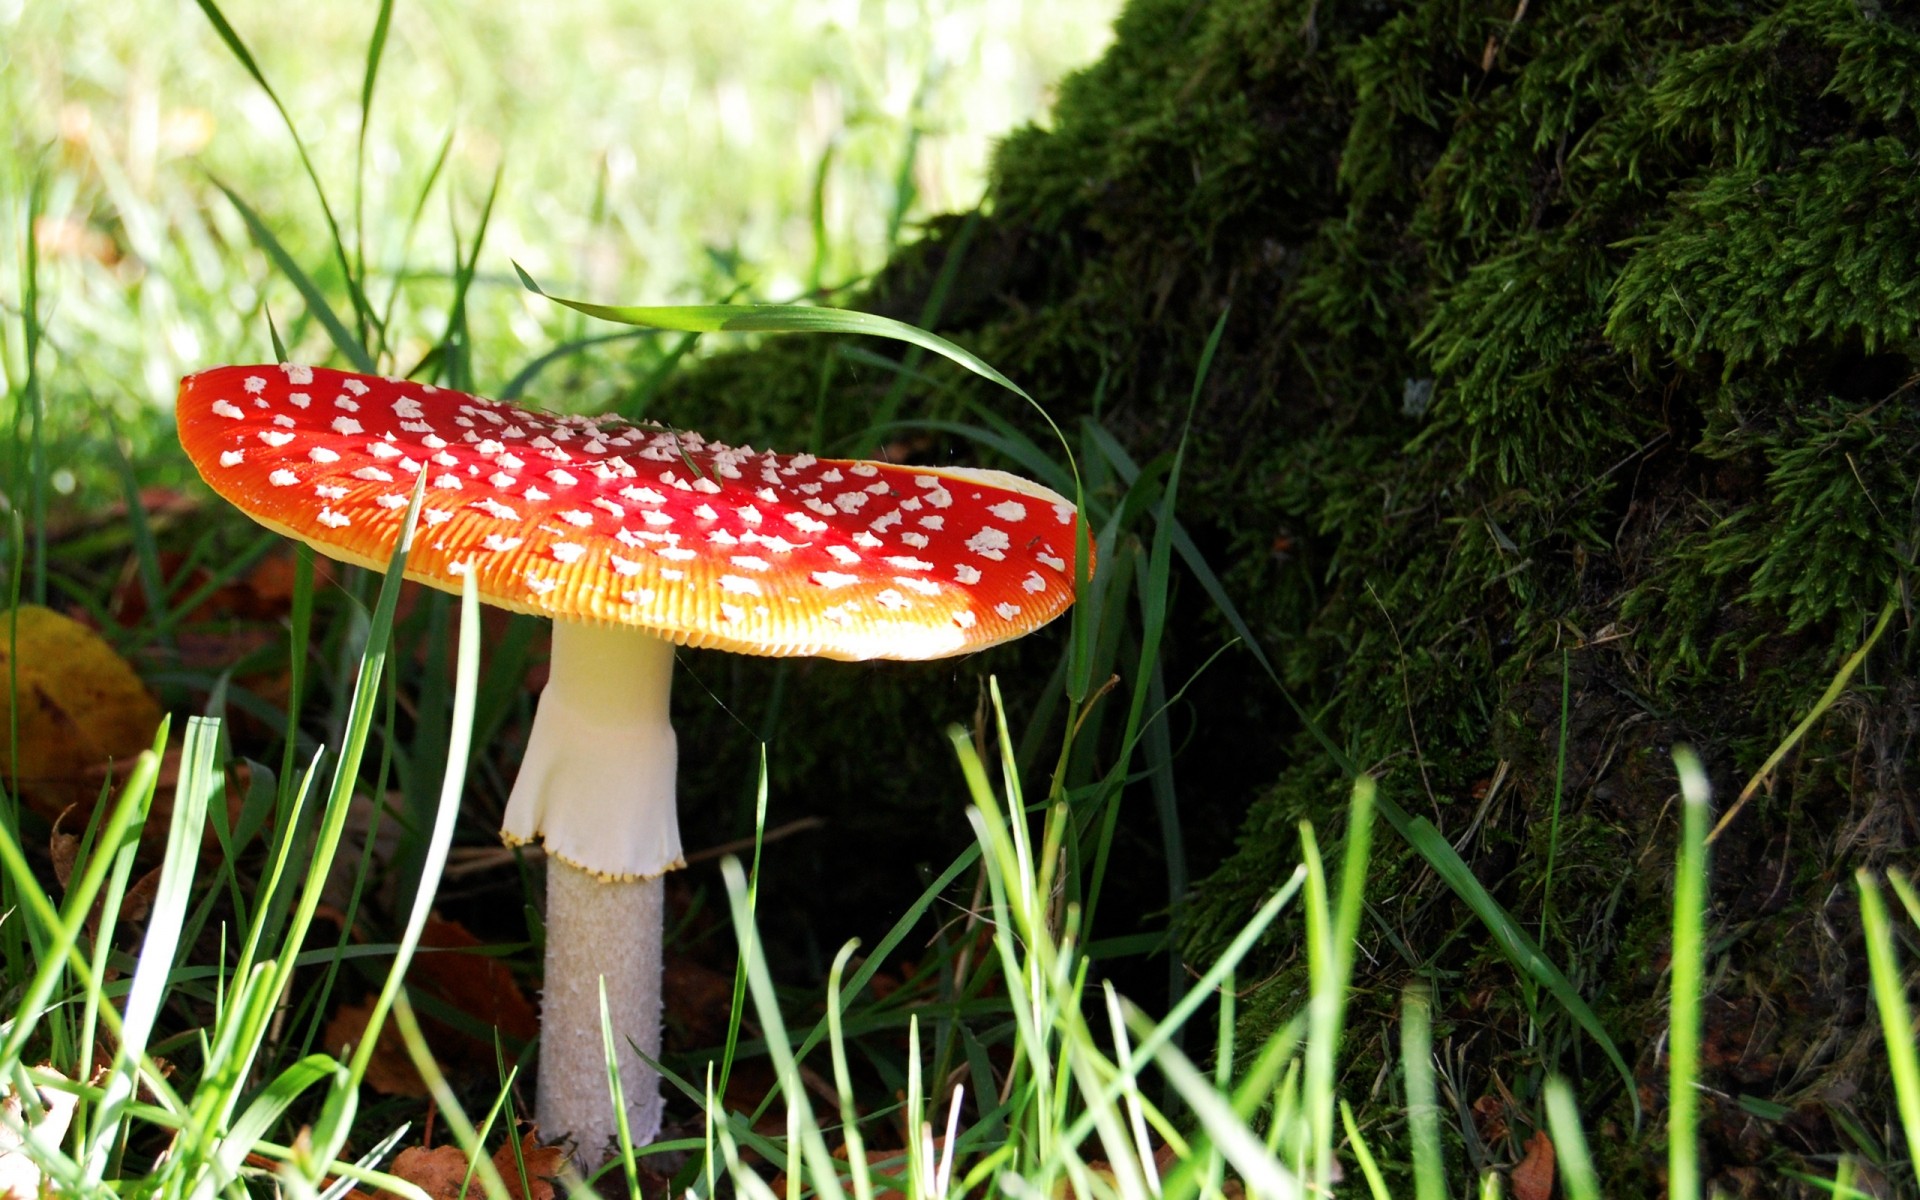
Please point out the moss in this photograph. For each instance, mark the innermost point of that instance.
(1580, 342)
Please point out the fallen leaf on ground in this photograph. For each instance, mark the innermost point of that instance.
(80, 707)
(478, 987)
(442, 1172)
(1532, 1179)
(48, 1118)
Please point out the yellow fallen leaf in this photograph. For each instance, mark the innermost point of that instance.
(80, 707)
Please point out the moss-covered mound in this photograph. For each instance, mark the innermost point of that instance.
(1569, 375)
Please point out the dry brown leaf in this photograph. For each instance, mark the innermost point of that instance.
(1532, 1179)
(442, 1172)
(474, 984)
(51, 1113)
(80, 707)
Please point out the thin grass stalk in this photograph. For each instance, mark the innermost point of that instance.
(1688, 972)
(1575, 1162)
(1423, 1104)
(1896, 1018)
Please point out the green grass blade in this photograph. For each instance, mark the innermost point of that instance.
(343, 339)
(1688, 970)
(1363, 1154)
(1577, 1180)
(199, 782)
(1890, 996)
(778, 318)
(1423, 1103)
(1520, 949)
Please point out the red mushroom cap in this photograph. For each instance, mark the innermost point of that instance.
(598, 519)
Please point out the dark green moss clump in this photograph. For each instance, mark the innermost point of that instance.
(1569, 351)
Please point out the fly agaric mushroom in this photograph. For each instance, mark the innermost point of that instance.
(634, 539)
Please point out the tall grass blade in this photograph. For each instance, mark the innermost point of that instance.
(344, 340)
(1571, 1156)
(1423, 1102)
(1890, 997)
(778, 318)
(1688, 971)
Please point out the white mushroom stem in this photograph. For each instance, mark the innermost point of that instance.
(597, 786)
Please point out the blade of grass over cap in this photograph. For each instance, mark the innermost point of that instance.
(777, 318)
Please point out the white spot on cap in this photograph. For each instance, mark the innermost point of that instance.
(638, 596)
(863, 538)
(538, 586)
(769, 495)
(610, 506)
(892, 600)
(435, 516)
(1052, 560)
(917, 540)
(864, 470)
(1063, 513)
(1007, 611)
(672, 573)
(297, 374)
(882, 524)
(232, 458)
(346, 426)
(332, 519)
(299, 399)
(677, 553)
(321, 454)
(275, 438)
(964, 619)
(374, 475)
(703, 484)
(926, 587)
(578, 518)
(494, 541)
(382, 450)
(805, 523)
(851, 501)
(844, 554)
(705, 513)
(512, 462)
(563, 478)
(345, 405)
(739, 585)
(355, 386)
(534, 493)
(283, 421)
(820, 506)
(833, 579)
(391, 500)
(990, 543)
(1033, 582)
(329, 491)
(501, 480)
(567, 552)
(802, 461)
(966, 574)
(721, 537)
(407, 408)
(448, 482)
(933, 523)
(903, 563)
(434, 441)
(939, 497)
(494, 508)
(732, 612)
(749, 514)
(624, 566)
(1009, 510)
(255, 385)
(750, 562)
(642, 495)
(283, 478)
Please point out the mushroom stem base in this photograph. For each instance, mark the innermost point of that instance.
(574, 1097)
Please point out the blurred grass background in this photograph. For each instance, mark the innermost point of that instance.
(645, 152)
